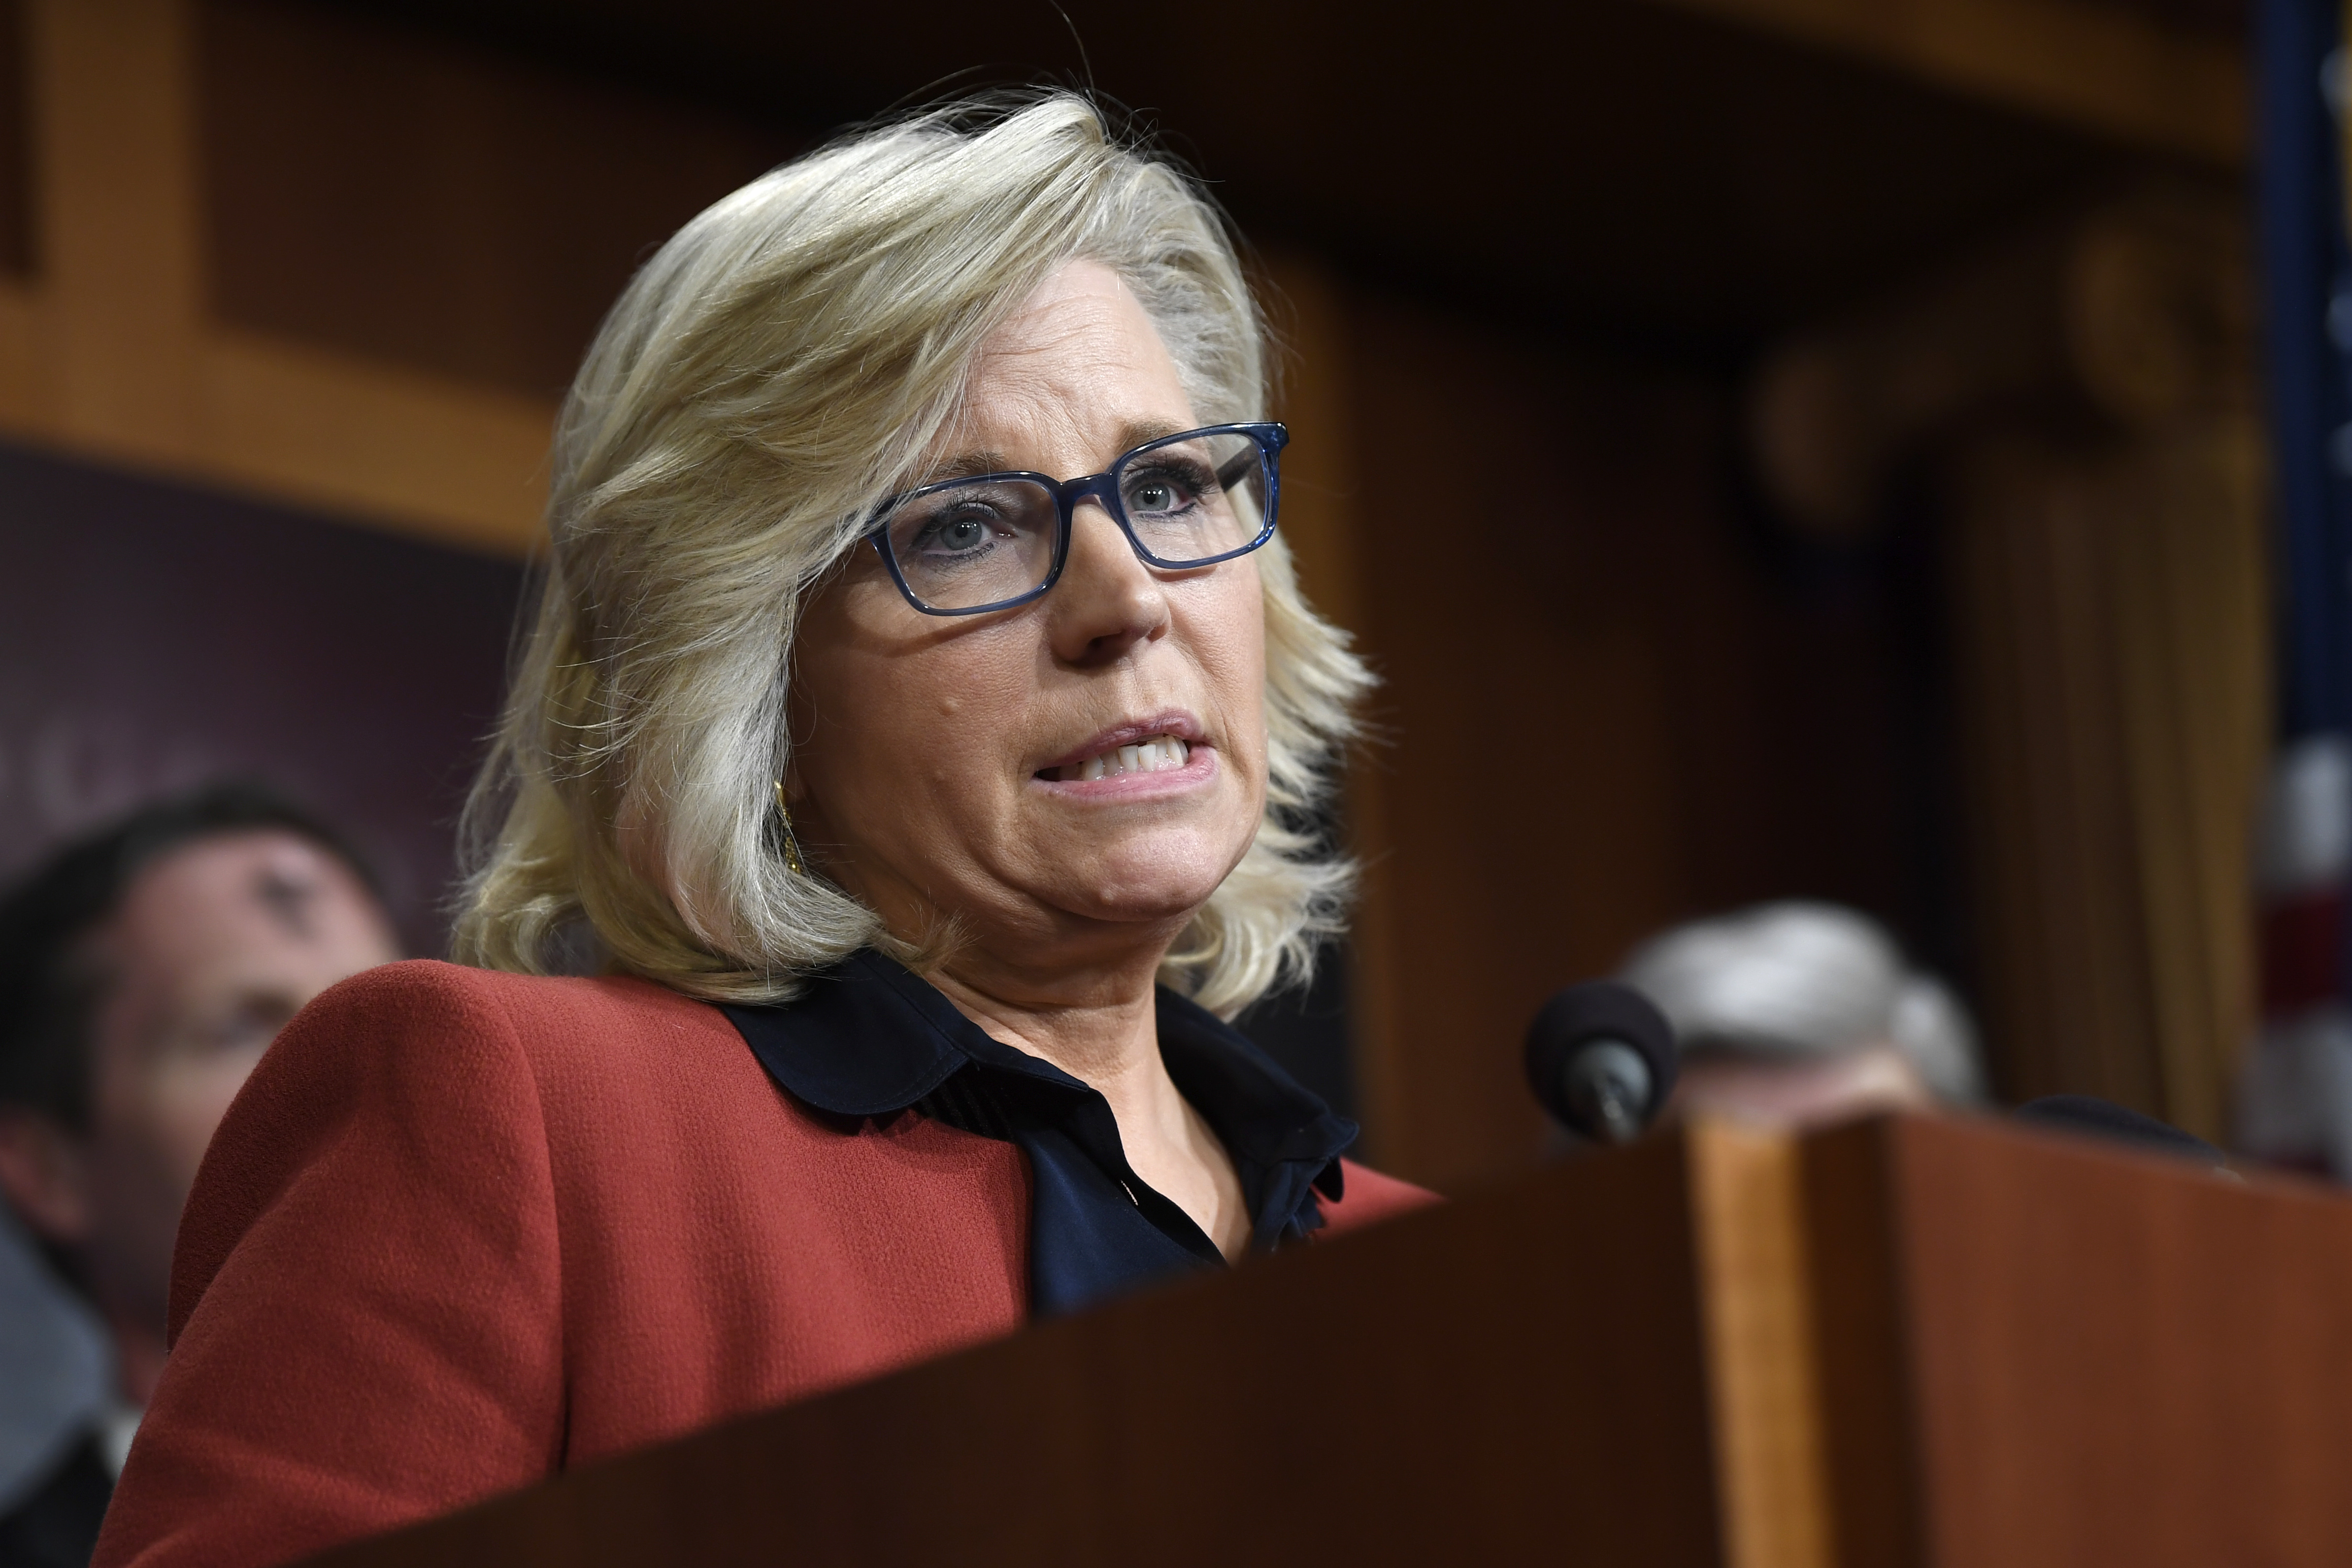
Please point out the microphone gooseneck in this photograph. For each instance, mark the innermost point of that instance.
(1601, 1059)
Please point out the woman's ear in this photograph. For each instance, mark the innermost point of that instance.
(44, 1175)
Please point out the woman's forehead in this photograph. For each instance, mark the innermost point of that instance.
(1082, 324)
(1079, 363)
(1079, 289)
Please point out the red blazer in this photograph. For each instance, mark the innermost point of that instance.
(463, 1230)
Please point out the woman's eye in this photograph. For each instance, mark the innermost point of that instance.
(956, 533)
(1162, 492)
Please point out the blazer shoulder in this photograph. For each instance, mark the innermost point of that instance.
(413, 1057)
(431, 984)
(378, 1211)
(426, 1000)
(1369, 1197)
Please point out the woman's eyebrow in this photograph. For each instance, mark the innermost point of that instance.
(969, 464)
(1133, 435)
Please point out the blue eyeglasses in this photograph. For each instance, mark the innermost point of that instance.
(963, 547)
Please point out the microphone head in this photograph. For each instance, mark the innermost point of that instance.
(1601, 1059)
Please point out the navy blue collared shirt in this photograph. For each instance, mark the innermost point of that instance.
(869, 1038)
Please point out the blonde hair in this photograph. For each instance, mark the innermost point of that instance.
(763, 384)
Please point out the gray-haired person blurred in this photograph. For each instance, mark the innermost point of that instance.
(1800, 1014)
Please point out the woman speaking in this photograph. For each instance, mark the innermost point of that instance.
(925, 809)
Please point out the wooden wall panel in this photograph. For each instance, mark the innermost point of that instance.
(456, 461)
(17, 252)
(110, 349)
(2183, 87)
(381, 191)
(1528, 765)
(1607, 709)
(119, 225)
(1322, 526)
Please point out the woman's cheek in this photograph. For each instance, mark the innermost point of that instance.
(1227, 641)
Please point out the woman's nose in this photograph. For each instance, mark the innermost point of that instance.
(1108, 600)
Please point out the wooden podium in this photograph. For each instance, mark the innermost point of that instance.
(1905, 1342)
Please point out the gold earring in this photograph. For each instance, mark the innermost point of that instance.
(791, 844)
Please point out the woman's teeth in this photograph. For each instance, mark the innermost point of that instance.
(1157, 754)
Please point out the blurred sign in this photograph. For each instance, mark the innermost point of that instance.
(154, 637)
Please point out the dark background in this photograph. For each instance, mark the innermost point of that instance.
(154, 637)
(1528, 260)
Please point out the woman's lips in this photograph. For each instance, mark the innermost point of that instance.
(1146, 765)
(1170, 724)
(1151, 755)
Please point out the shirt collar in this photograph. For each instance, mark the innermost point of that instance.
(865, 1037)
(869, 1037)
(1262, 1115)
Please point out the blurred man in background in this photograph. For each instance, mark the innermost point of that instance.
(144, 970)
(1797, 1015)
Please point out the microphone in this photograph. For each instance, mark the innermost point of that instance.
(1601, 1057)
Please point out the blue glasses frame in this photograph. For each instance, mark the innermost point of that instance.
(1271, 439)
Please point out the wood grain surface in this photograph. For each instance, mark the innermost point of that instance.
(1763, 1373)
(1902, 1342)
(2041, 1350)
(1512, 1379)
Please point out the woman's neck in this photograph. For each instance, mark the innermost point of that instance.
(1100, 1026)
(1103, 1030)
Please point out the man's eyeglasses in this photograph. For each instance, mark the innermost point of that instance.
(960, 547)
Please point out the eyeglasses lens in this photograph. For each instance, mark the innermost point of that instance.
(1196, 499)
(963, 545)
(974, 542)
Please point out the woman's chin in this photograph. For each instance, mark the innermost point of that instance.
(1141, 884)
